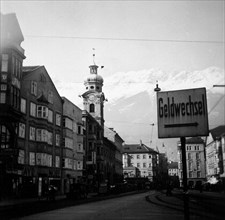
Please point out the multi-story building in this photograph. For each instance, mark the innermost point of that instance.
(195, 160)
(40, 131)
(11, 62)
(113, 136)
(73, 149)
(173, 168)
(144, 158)
(214, 153)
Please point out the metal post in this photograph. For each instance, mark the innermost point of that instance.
(185, 188)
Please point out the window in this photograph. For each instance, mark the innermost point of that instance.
(2, 97)
(57, 161)
(79, 165)
(190, 174)
(33, 109)
(80, 148)
(190, 165)
(198, 165)
(5, 59)
(57, 140)
(34, 88)
(21, 130)
(32, 133)
(41, 135)
(79, 129)
(21, 157)
(149, 156)
(68, 123)
(198, 174)
(68, 142)
(23, 105)
(138, 164)
(58, 119)
(138, 156)
(4, 137)
(144, 165)
(92, 107)
(3, 87)
(50, 138)
(149, 165)
(50, 97)
(144, 156)
(32, 158)
(42, 112)
(189, 156)
(50, 116)
(197, 156)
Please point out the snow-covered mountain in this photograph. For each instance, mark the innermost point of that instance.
(131, 106)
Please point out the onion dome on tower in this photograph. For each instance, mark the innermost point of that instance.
(94, 82)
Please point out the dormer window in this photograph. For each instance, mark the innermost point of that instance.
(92, 87)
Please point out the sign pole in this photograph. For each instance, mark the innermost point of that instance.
(185, 188)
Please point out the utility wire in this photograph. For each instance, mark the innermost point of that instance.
(125, 39)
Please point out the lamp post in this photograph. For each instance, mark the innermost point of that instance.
(185, 195)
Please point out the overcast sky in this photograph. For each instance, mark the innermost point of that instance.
(127, 36)
(157, 28)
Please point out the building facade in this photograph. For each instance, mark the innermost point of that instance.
(11, 62)
(215, 154)
(40, 131)
(73, 148)
(144, 158)
(195, 160)
(113, 136)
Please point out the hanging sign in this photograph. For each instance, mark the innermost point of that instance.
(182, 113)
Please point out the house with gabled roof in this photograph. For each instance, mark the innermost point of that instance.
(143, 158)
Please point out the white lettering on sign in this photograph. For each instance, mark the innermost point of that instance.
(182, 113)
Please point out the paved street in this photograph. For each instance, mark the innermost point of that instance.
(128, 207)
(145, 205)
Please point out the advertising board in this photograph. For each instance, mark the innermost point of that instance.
(182, 113)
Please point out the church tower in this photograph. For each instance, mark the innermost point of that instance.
(94, 98)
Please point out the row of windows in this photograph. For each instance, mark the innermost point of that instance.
(196, 147)
(191, 174)
(191, 156)
(41, 135)
(72, 125)
(16, 65)
(69, 163)
(144, 165)
(41, 159)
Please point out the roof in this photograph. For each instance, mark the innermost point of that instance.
(137, 148)
(173, 165)
(10, 28)
(195, 140)
(217, 132)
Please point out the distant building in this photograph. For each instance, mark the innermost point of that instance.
(113, 136)
(73, 148)
(195, 160)
(173, 168)
(215, 153)
(143, 158)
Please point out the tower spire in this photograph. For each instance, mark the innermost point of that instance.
(93, 55)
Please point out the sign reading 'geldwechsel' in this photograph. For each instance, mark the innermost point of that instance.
(182, 113)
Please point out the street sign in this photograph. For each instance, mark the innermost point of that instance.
(182, 113)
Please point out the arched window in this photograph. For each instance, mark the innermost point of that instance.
(92, 107)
